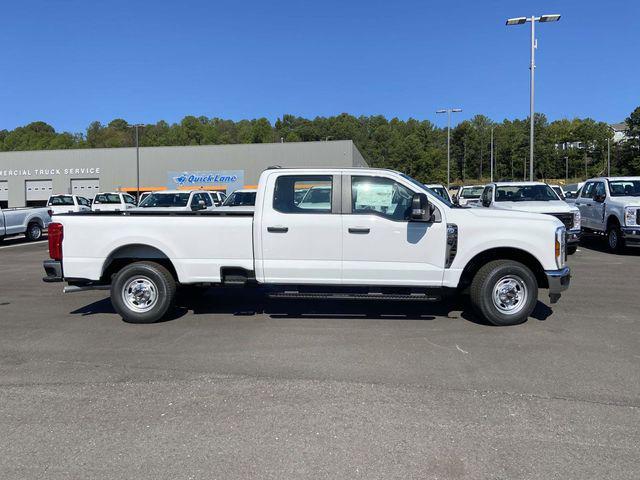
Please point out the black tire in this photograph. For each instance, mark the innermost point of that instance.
(615, 242)
(34, 232)
(148, 285)
(518, 281)
(571, 249)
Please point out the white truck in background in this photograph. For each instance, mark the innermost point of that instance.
(611, 206)
(66, 203)
(28, 221)
(378, 234)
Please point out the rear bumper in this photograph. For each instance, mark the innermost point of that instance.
(573, 236)
(53, 269)
(559, 281)
(631, 235)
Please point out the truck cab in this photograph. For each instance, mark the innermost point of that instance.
(534, 197)
(179, 200)
(611, 206)
(68, 204)
(112, 202)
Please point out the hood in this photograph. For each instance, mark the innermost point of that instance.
(495, 214)
(552, 206)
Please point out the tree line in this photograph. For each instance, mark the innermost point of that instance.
(564, 148)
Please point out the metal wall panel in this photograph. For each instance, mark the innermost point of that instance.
(38, 190)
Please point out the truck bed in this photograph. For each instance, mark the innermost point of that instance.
(190, 239)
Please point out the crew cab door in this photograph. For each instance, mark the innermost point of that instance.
(301, 230)
(381, 246)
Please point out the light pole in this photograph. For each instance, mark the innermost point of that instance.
(608, 157)
(492, 154)
(534, 44)
(449, 111)
(136, 127)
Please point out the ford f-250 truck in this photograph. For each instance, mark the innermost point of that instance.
(379, 234)
(28, 221)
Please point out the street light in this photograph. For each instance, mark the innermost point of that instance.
(449, 111)
(534, 44)
(136, 126)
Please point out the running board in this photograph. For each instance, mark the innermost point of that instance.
(414, 297)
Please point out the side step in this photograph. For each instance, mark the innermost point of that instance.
(412, 297)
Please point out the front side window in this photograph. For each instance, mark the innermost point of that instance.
(380, 196)
(84, 202)
(624, 188)
(241, 199)
(525, 193)
(129, 199)
(317, 198)
(486, 196)
(202, 196)
(598, 190)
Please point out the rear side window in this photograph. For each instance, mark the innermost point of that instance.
(303, 194)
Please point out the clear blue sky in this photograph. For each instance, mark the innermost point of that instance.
(71, 62)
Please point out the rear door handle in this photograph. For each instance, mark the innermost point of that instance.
(277, 229)
(356, 230)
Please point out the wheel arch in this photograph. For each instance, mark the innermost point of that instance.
(131, 253)
(503, 253)
(613, 219)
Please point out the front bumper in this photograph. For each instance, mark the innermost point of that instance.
(631, 235)
(53, 269)
(559, 281)
(573, 236)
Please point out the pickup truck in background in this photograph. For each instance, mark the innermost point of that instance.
(68, 204)
(179, 200)
(28, 221)
(112, 202)
(440, 190)
(611, 206)
(468, 195)
(367, 234)
(534, 197)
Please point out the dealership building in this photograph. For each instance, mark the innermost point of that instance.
(28, 178)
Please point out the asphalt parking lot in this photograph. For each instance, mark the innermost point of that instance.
(234, 386)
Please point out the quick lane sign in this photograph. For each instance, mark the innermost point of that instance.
(229, 179)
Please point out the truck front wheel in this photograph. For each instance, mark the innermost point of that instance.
(143, 292)
(504, 292)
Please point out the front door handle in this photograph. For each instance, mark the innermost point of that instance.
(361, 231)
(277, 229)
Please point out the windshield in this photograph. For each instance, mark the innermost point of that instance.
(525, 193)
(471, 192)
(62, 200)
(240, 199)
(422, 187)
(624, 188)
(108, 198)
(166, 200)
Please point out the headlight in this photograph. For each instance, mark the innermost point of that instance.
(631, 216)
(560, 246)
(577, 220)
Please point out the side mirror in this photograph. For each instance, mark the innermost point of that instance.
(454, 199)
(421, 210)
(486, 202)
(599, 198)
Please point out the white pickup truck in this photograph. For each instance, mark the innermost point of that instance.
(179, 200)
(611, 206)
(28, 221)
(378, 235)
(534, 197)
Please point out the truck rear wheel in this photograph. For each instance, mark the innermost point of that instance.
(34, 232)
(504, 292)
(143, 292)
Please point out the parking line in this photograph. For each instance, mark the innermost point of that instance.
(23, 244)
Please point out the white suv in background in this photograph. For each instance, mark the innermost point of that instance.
(112, 202)
(535, 197)
(611, 206)
(179, 200)
(68, 204)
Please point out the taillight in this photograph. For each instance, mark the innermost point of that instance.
(56, 234)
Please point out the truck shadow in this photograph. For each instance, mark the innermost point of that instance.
(250, 302)
(599, 244)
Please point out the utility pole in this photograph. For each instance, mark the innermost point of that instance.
(608, 157)
(566, 168)
(492, 154)
(136, 126)
(449, 111)
(532, 65)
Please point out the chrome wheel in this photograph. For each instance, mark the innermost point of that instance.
(35, 232)
(510, 294)
(140, 294)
